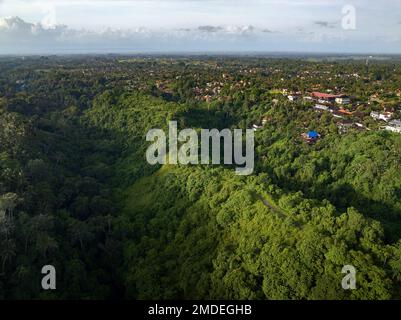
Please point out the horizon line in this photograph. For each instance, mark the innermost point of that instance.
(194, 53)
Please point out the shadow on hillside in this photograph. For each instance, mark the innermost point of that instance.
(345, 196)
(205, 119)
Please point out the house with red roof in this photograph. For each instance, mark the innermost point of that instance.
(324, 96)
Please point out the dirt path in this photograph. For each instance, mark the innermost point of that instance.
(279, 212)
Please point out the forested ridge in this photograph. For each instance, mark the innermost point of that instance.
(76, 190)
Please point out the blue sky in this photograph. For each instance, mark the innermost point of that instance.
(199, 25)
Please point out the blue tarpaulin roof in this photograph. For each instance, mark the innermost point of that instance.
(313, 134)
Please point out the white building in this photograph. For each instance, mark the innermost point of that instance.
(337, 115)
(386, 116)
(293, 98)
(375, 115)
(394, 126)
(321, 107)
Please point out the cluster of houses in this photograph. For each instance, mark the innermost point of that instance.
(322, 98)
(330, 102)
(393, 125)
(335, 105)
(326, 102)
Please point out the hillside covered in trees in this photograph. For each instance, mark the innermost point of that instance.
(77, 192)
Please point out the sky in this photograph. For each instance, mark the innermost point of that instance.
(124, 26)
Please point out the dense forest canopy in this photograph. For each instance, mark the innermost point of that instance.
(76, 191)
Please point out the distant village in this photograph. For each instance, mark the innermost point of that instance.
(349, 111)
(341, 107)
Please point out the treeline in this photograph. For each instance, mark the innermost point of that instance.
(55, 208)
(76, 190)
(202, 232)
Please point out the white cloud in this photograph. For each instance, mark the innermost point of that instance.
(19, 36)
(190, 25)
(15, 29)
